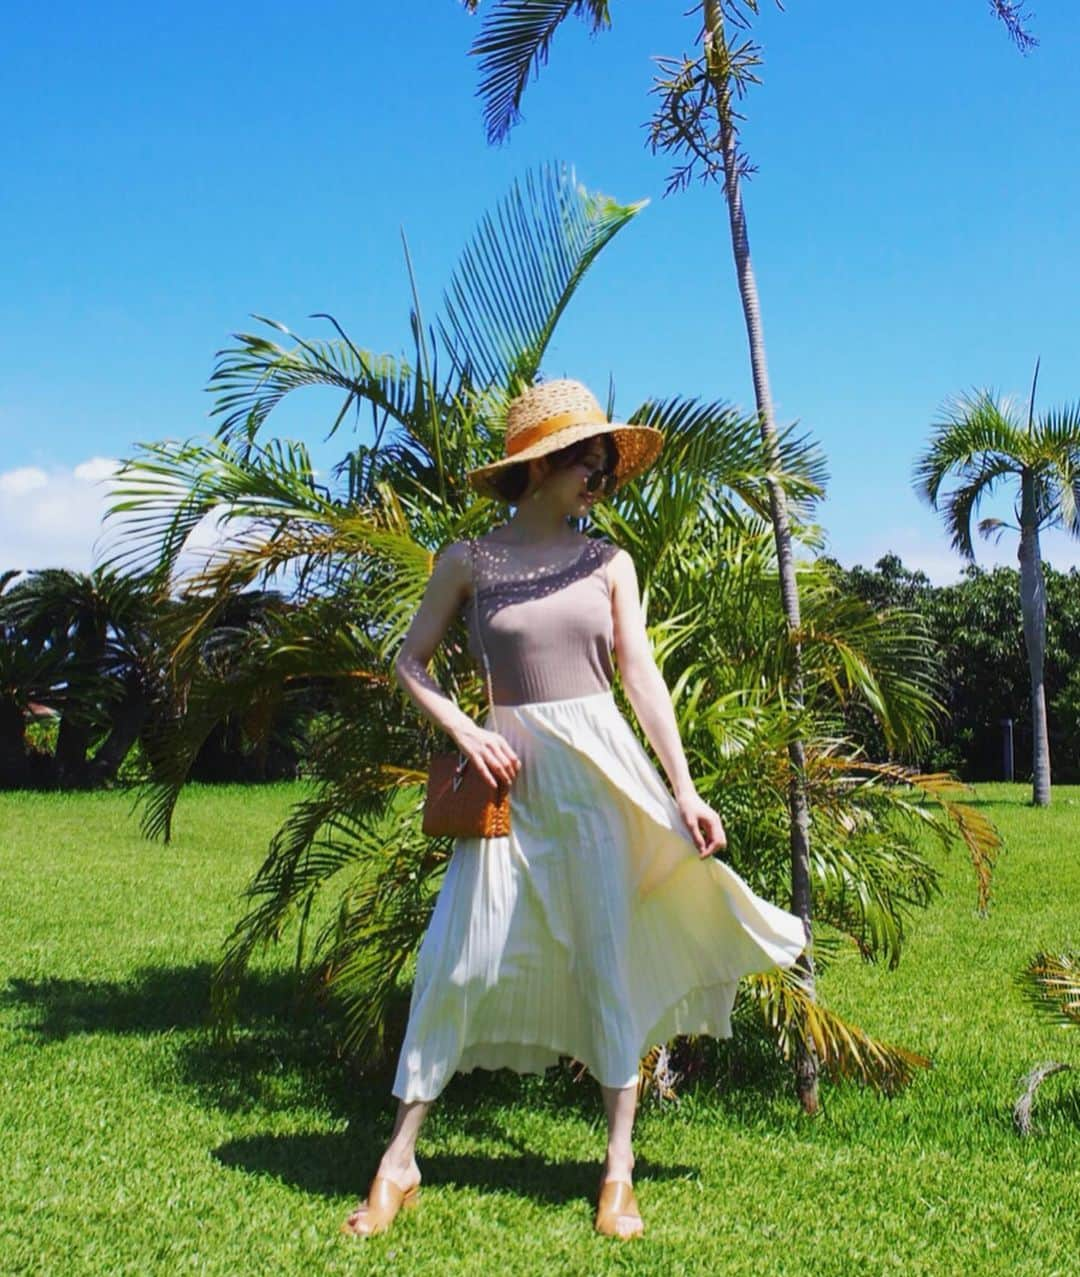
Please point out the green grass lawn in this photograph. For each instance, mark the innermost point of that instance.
(128, 1144)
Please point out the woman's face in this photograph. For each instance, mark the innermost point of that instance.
(565, 487)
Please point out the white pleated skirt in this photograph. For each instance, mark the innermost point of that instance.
(593, 930)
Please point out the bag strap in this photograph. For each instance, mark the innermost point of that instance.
(480, 630)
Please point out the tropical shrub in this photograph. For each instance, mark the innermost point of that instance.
(82, 645)
(349, 873)
(1051, 981)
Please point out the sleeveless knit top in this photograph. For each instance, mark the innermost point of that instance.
(547, 630)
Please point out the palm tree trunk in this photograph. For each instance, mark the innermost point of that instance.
(14, 764)
(72, 743)
(1033, 609)
(806, 1063)
(127, 719)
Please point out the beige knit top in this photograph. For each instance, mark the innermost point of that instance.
(547, 630)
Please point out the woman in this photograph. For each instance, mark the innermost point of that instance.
(592, 929)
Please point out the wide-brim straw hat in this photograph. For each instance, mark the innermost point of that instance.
(553, 415)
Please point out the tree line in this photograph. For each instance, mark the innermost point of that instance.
(981, 665)
(84, 659)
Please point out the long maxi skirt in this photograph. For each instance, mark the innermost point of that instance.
(592, 930)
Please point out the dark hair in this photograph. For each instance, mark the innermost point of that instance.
(511, 482)
(573, 452)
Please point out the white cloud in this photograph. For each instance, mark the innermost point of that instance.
(51, 519)
(55, 519)
(25, 479)
(96, 468)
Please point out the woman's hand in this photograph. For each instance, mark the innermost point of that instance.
(706, 827)
(491, 754)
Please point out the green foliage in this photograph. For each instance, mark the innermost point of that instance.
(348, 876)
(84, 646)
(977, 647)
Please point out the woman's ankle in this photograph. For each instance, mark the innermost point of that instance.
(618, 1163)
(400, 1167)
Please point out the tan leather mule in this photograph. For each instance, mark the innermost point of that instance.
(616, 1198)
(379, 1209)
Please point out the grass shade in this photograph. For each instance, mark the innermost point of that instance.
(130, 1144)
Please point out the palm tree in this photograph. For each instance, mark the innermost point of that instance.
(30, 672)
(982, 441)
(698, 119)
(93, 633)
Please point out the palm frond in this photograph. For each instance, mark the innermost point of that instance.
(957, 818)
(1014, 16)
(251, 379)
(517, 276)
(319, 840)
(843, 1049)
(993, 529)
(375, 934)
(1051, 981)
(979, 440)
(885, 659)
(963, 501)
(514, 43)
(865, 881)
(1057, 438)
(167, 489)
(711, 453)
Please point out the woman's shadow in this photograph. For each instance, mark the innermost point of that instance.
(478, 1106)
(282, 1037)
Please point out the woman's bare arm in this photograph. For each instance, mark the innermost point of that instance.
(651, 701)
(448, 587)
(644, 684)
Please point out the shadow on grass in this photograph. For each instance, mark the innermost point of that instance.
(334, 1165)
(153, 1000)
(1004, 804)
(284, 1055)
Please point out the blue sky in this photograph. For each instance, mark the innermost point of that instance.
(170, 170)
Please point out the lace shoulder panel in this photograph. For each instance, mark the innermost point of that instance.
(497, 569)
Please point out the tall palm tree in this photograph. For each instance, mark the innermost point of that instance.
(983, 441)
(697, 119)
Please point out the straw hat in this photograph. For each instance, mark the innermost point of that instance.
(554, 414)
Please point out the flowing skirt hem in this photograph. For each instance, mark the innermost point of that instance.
(705, 1011)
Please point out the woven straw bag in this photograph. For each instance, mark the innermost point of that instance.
(459, 802)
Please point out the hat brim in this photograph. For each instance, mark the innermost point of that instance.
(638, 448)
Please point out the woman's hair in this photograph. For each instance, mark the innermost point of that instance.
(511, 482)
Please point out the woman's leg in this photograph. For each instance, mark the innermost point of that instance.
(399, 1160)
(621, 1105)
(398, 1163)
